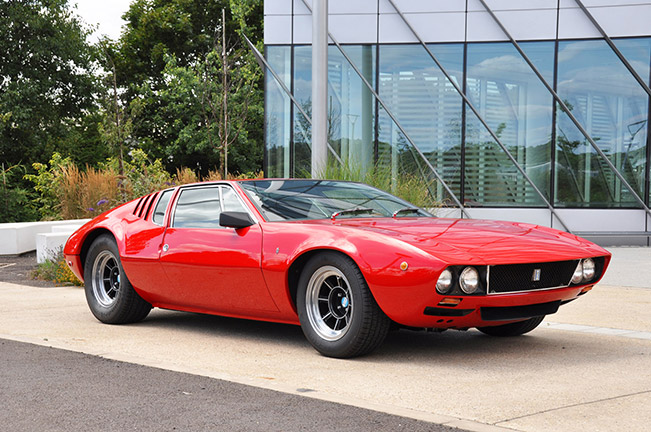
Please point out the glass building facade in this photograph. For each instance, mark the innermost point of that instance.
(420, 122)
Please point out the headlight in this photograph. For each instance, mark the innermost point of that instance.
(588, 269)
(469, 280)
(444, 283)
(577, 277)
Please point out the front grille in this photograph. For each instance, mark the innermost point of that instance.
(519, 312)
(521, 277)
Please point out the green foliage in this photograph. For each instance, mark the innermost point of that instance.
(48, 184)
(46, 79)
(148, 103)
(15, 205)
(169, 59)
(141, 175)
(56, 270)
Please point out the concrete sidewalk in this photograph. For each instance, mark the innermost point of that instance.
(550, 380)
(585, 368)
(629, 267)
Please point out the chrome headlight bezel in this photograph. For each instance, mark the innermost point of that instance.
(589, 269)
(445, 282)
(469, 280)
(577, 276)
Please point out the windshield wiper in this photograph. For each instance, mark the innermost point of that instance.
(352, 211)
(405, 210)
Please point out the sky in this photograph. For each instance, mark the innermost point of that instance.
(106, 13)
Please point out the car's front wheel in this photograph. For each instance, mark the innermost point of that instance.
(110, 295)
(513, 329)
(337, 311)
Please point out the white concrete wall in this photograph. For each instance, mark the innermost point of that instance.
(20, 237)
(376, 21)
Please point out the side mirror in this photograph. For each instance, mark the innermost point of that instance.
(237, 220)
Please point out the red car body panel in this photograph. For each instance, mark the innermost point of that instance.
(246, 272)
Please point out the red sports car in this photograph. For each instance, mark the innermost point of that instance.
(344, 260)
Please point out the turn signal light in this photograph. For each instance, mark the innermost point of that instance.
(449, 301)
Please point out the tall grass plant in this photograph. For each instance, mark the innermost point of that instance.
(408, 186)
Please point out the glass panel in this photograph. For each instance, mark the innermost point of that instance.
(159, 210)
(277, 112)
(230, 200)
(429, 109)
(302, 153)
(350, 106)
(613, 108)
(198, 208)
(518, 109)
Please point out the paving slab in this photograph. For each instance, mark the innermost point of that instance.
(465, 379)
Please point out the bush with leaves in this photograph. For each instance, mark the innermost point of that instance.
(56, 270)
(15, 204)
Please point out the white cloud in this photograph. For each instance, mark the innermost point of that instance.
(105, 13)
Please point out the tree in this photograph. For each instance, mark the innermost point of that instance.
(170, 58)
(46, 82)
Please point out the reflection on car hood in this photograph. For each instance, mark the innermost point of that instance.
(480, 241)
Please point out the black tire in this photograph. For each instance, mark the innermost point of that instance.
(109, 293)
(514, 329)
(337, 311)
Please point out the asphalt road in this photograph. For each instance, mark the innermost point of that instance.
(46, 389)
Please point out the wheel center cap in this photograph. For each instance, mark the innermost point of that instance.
(338, 302)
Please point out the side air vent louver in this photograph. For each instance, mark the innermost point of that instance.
(135, 211)
(151, 203)
(144, 204)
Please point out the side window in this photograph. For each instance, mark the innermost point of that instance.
(231, 201)
(159, 210)
(198, 208)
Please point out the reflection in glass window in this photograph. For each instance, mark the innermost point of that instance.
(599, 90)
(613, 108)
(280, 200)
(198, 208)
(428, 108)
(518, 108)
(277, 112)
(351, 106)
(230, 200)
(161, 206)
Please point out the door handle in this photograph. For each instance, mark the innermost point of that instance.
(166, 247)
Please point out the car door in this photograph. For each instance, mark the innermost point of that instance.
(210, 267)
(142, 245)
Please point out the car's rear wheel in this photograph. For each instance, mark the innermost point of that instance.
(337, 311)
(513, 329)
(109, 293)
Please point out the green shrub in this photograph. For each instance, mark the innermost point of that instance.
(47, 183)
(15, 204)
(56, 270)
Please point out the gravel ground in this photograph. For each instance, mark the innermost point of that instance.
(18, 269)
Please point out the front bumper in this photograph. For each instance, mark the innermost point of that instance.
(486, 310)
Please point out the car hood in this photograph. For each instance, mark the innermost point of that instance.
(471, 241)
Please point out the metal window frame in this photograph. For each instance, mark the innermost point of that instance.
(565, 108)
(266, 66)
(479, 116)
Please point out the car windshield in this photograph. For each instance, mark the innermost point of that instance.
(282, 200)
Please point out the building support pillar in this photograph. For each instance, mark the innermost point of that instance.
(319, 87)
